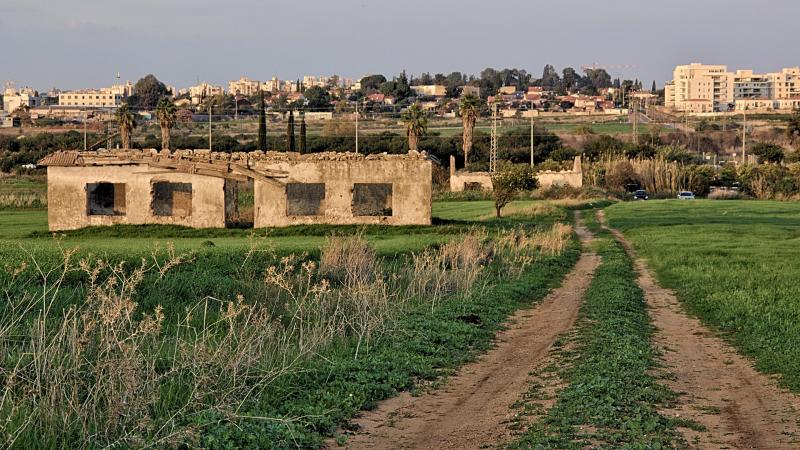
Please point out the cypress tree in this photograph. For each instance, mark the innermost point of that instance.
(654, 86)
(262, 125)
(302, 131)
(290, 132)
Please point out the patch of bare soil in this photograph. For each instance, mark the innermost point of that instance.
(474, 408)
(719, 389)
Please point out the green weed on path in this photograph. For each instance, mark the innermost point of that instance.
(611, 399)
(733, 264)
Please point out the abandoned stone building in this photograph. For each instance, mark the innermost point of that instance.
(482, 181)
(203, 189)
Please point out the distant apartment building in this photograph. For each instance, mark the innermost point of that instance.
(273, 85)
(199, 92)
(245, 86)
(700, 88)
(289, 86)
(14, 99)
(125, 90)
(430, 90)
(90, 98)
(309, 81)
(787, 84)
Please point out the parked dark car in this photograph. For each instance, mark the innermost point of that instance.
(640, 195)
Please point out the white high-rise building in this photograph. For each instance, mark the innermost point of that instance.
(700, 88)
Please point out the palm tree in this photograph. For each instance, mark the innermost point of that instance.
(416, 125)
(127, 122)
(468, 108)
(166, 112)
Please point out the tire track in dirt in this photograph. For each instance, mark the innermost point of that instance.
(718, 388)
(473, 409)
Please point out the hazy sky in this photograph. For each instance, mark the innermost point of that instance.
(83, 43)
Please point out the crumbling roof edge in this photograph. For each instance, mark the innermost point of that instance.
(136, 156)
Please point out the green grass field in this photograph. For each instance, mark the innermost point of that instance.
(28, 228)
(734, 264)
(307, 352)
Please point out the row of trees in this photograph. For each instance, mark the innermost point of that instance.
(148, 91)
(166, 114)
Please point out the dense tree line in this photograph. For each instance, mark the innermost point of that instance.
(16, 151)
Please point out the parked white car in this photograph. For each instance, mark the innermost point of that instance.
(685, 195)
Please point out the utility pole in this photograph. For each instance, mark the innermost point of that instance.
(636, 121)
(85, 119)
(493, 149)
(744, 136)
(209, 126)
(531, 113)
(356, 126)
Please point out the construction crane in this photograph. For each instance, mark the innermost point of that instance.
(617, 68)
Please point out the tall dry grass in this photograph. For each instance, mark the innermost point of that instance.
(453, 268)
(653, 174)
(106, 373)
(522, 248)
(23, 200)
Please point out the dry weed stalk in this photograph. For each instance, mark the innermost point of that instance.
(522, 247)
(100, 368)
(451, 269)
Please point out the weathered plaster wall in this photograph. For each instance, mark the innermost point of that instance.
(459, 180)
(67, 198)
(563, 178)
(547, 178)
(574, 177)
(411, 191)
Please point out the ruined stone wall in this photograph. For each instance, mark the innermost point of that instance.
(564, 178)
(389, 190)
(465, 181)
(69, 201)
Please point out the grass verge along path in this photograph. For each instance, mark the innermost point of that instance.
(733, 264)
(611, 400)
(719, 389)
(473, 408)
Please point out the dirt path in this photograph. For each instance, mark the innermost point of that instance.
(740, 407)
(472, 410)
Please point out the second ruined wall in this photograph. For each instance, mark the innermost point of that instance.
(68, 202)
(462, 180)
(410, 193)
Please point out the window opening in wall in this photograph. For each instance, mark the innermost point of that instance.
(105, 199)
(305, 199)
(473, 186)
(372, 199)
(239, 203)
(171, 199)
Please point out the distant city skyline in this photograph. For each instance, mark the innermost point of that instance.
(74, 44)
